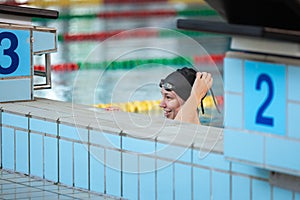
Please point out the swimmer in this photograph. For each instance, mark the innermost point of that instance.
(182, 91)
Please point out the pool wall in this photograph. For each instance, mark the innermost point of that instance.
(272, 143)
(75, 145)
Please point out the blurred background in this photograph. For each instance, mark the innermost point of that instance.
(114, 52)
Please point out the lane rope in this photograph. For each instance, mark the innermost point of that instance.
(68, 3)
(153, 105)
(129, 64)
(125, 34)
(136, 14)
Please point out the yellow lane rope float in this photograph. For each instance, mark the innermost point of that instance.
(153, 105)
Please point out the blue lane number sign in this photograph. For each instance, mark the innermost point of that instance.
(265, 97)
(260, 118)
(14, 53)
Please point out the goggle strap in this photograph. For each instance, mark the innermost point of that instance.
(202, 107)
(214, 100)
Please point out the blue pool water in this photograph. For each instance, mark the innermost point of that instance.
(96, 86)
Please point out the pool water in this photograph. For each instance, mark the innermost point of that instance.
(104, 85)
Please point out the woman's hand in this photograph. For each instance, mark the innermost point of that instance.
(202, 84)
(113, 108)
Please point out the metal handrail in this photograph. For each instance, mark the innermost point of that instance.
(46, 74)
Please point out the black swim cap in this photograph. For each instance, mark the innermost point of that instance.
(180, 81)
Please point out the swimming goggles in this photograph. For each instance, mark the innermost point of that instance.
(166, 86)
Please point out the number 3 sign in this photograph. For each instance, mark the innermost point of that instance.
(14, 53)
(265, 97)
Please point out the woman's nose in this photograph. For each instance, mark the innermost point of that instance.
(162, 104)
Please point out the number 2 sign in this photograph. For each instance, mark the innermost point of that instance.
(265, 97)
(14, 53)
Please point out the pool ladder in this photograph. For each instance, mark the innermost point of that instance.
(44, 43)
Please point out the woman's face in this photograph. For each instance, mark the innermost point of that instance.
(170, 103)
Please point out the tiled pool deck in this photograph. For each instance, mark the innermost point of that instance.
(92, 153)
(20, 186)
